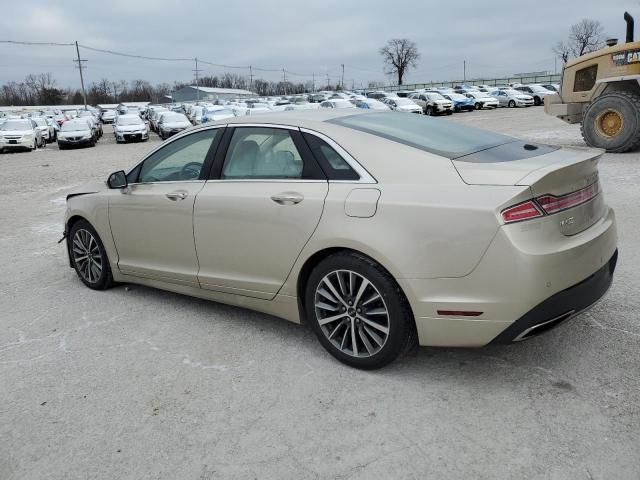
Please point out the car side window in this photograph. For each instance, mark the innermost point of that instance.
(334, 166)
(262, 153)
(180, 160)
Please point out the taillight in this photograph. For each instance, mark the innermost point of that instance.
(549, 204)
(552, 204)
(522, 211)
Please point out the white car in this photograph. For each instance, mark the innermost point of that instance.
(46, 130)
(75, 133)
(108, 116)
(171, 123)
(538, 92)
(433, 103)
(130, 128)
(215, 113)
(337, 103)
(483, 100)
(19, 133)
(511, 98)
(404, 105)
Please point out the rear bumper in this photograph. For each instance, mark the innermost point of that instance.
(525, 266)
(562, 306)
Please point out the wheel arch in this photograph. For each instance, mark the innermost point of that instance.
(73, 219)
(313, 260)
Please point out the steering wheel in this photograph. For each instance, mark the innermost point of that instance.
(190, 171)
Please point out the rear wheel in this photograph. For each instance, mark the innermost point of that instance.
(537, 101)
(88, 256)
(358, 311)
(428, 111)
(612, 122)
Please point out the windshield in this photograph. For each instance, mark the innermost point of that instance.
(40, 122)
(513, 92)
(538, 88)
(403, 101)
(129, 121)
(456, 96)
(342, 104)
(75, 126)
(435, 96)
(14, 125)
(435, 136)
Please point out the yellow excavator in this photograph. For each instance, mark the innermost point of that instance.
(601, 91)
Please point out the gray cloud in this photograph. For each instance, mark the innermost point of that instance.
(496, 37)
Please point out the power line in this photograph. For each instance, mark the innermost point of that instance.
(51, 44)
(143, 57)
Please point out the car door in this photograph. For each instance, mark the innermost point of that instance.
(152, 219)
(252, 219)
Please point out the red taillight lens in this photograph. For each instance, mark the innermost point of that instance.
(522, 211)
(552, 204)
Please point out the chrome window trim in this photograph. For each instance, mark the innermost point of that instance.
(365, 176)
(266, 180)
(175, 137)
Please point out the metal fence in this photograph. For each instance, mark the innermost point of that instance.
(476, 81)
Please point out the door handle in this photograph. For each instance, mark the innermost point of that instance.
(175, 196)
(287, 198)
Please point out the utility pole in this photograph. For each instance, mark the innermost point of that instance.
(284, 80)
(342, 79)
(314, 82)
(328, 82)
(197, 80)
(81, 67)
(250, 79)
(464, 71)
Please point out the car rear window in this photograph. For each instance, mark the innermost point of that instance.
(435, 135)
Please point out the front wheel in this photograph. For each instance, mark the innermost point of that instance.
(612, 122)
(478, 106)
(88, 256)
(512, 104)
(428, 111)
(358, 311)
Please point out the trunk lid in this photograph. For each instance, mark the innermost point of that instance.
(554, 174)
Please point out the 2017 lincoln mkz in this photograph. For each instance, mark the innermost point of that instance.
(378, 229)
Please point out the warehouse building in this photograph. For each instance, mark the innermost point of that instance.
(192, 93)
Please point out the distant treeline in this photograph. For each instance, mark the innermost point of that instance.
(41, 89)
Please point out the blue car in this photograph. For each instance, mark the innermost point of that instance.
(460, 102)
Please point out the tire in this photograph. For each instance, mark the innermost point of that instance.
(97, 275)
(626, 106)
(428, 111)
(536, 101)
(478, 106)
(34, 146)
(61, 147)
(449, 112)
(512, 104)
(387, 331)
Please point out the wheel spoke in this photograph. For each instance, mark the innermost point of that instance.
(375, 325)
(352, 279)
(374, 335)
(363, 287)
(354, 343)
(365, 340)
(329, 285)
(375, 296)
(344, 337)
(327, 295)
(343, 290)
(326, 306)
(377, 311)
(335, 330)
(333, 318)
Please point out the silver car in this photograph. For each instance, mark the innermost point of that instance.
(508, 97)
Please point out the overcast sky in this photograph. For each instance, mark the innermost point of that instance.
(496, 37)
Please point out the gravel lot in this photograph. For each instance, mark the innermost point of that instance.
(136, 383)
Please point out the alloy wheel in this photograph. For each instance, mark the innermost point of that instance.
(351, 313)
(87, 256)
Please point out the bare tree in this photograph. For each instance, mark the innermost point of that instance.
(399, 54)
(584, 37)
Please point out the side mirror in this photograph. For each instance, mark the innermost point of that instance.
(117, 180)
